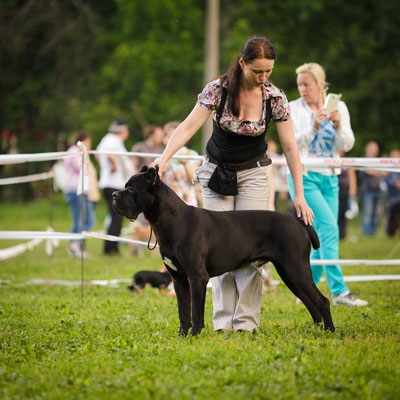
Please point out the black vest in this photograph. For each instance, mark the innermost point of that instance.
(229, 147)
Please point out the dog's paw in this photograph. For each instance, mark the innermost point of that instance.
(183, 332)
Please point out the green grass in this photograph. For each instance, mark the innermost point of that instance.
(114, 344)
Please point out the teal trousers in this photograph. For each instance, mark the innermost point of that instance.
(322, 195)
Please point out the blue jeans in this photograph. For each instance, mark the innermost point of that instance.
(75, 205)
(322, 195)
(370, 200)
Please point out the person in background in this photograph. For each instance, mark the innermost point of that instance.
(241, 103)
(179, 172)
(153, 143)
(320, 135)
(83, 203)
(392, 204)
(115, 170)
(348, 207)
(372, 190)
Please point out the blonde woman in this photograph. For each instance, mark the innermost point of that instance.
(322, 135)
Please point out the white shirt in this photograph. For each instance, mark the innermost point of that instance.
(303, 117)
(117, 179)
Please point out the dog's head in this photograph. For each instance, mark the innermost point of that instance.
(139, 193)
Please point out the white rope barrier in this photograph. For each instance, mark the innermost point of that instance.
(381, 164)
(388, 164)
(18, 249)
(100, 235)
(356, 262)
(114, 283)
(48, 235)
(39, 235)
(24, 158)
(376, 164)
(27, 178)
(42, 235)
(52, 240)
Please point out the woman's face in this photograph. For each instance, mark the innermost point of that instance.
(309, 90)
(88, 143)
(257, 72)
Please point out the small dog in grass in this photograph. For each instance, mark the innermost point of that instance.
(156, 279)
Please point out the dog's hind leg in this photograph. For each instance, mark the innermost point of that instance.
(321, 306)
(314, 300)
(303, 287)
(316, 316)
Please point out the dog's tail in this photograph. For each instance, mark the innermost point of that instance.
(312, 234)
(313, 237)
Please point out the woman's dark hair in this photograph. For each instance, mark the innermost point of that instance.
(80, 136)
(254, 48)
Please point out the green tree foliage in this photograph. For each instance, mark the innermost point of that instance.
(78, 64)
(48, 56)
(155, 68)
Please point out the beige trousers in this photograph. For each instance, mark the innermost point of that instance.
(237, 295)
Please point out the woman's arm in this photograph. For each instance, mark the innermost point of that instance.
(182, 134)
(289, 147)
(305, 124)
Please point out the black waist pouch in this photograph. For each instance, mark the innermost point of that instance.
(224, 181)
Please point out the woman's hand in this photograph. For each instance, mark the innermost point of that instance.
(303, 210)
(335, 117)
(319, 117)
(161, 166)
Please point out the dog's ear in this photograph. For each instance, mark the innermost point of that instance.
(152, 175)
(144, 168)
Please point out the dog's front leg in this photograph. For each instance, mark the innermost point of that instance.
(198, 288)
(182, 291)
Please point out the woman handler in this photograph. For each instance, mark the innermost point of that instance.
(234, 173)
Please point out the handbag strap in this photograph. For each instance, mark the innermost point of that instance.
(221, 105)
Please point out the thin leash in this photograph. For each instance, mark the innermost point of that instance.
(151, 234)
(151, 229)
(148, 243)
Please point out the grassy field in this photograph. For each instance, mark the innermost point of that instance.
(104, 342)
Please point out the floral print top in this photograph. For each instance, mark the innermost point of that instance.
(210, 98)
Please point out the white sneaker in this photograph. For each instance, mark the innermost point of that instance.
(76, 251)
(348, 299)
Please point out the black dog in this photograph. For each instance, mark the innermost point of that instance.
(197, 244)
(155, 279)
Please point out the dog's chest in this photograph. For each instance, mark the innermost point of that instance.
(168, 262)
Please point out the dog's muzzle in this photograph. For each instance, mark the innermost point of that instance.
(121, 207)
(116, 203)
